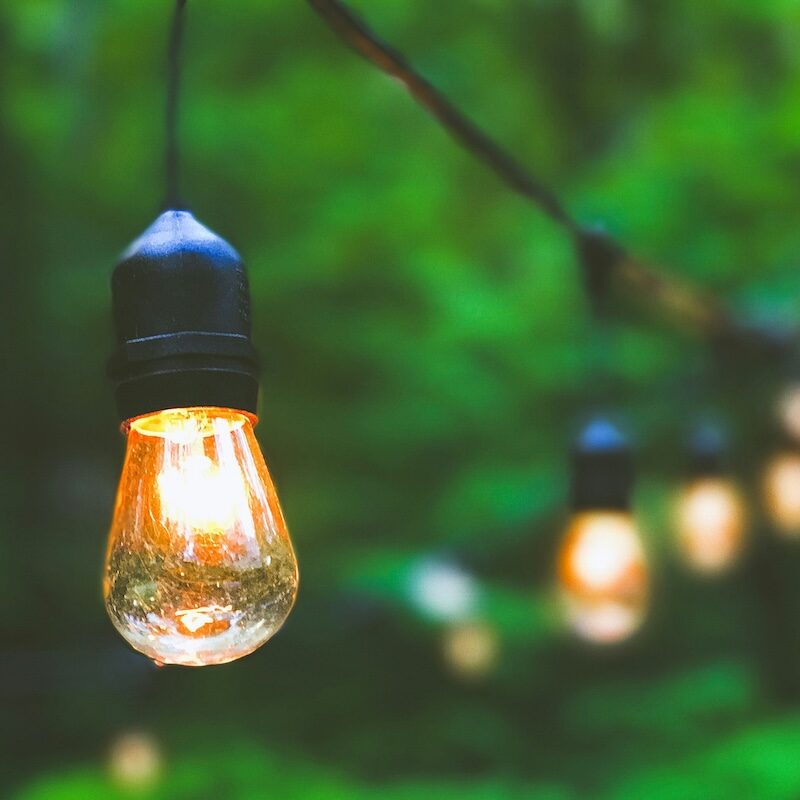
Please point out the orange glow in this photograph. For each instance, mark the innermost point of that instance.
(200, 569)
(711, 522)
(781, 488)
(471, 649)
(603, 576)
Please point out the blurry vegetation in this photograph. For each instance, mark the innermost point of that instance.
(427, 354)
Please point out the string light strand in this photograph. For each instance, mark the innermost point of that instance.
(675, 299)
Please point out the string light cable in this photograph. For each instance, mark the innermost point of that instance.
(676, 299)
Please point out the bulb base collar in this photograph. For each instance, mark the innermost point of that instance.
(602, 470)
(706, 452)
(181, 307)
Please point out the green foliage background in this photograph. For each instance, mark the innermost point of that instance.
(428, 353)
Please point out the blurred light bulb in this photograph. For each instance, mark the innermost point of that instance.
(135, 762)
(781, 489)
(471, 649)
(443, 590)
(789, 410)
(711, 521)
(200, 569)
(603, 576)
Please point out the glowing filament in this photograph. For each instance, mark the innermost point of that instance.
(197, 496)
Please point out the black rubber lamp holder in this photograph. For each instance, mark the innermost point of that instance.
(706, 452)
(181, 308)
(602, 469)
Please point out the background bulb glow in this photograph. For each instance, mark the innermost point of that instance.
(603, 576)
(443, 591)
(711, 523)
(789, 410)
(200, 569)
(471, 649)
(135, 762)
(781, 488)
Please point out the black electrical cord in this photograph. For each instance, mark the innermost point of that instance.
(356, 33)
(598, 256)
(173, 198)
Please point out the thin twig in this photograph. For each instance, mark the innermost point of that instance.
(694, 308)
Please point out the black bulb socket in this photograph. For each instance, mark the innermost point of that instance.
(707, 453)
(602, 476)
(181, 309)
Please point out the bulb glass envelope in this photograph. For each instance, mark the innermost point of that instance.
(200, 569)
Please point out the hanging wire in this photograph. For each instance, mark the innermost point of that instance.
(598, 255)
(692, 308)
(172, 153)
(356, 33)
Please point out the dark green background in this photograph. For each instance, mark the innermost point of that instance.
(427, 355)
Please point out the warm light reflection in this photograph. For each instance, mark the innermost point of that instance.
(203, 621)
(471, 649)
(711, 520)
(200, 569)
(135, 762)
(781, 489)
(603, 576)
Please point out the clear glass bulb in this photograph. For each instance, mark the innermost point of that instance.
(200, 569)
(603, 576)
(781, 487)
(711, 522)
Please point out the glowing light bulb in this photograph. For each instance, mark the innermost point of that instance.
(711, 521)
(603, 576)
(135, 762)
(781, 489)
(200, 569)
(471, 649)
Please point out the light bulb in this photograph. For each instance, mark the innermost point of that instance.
(200, 569)
(603, 576)
(711, 521)
(781, 489)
